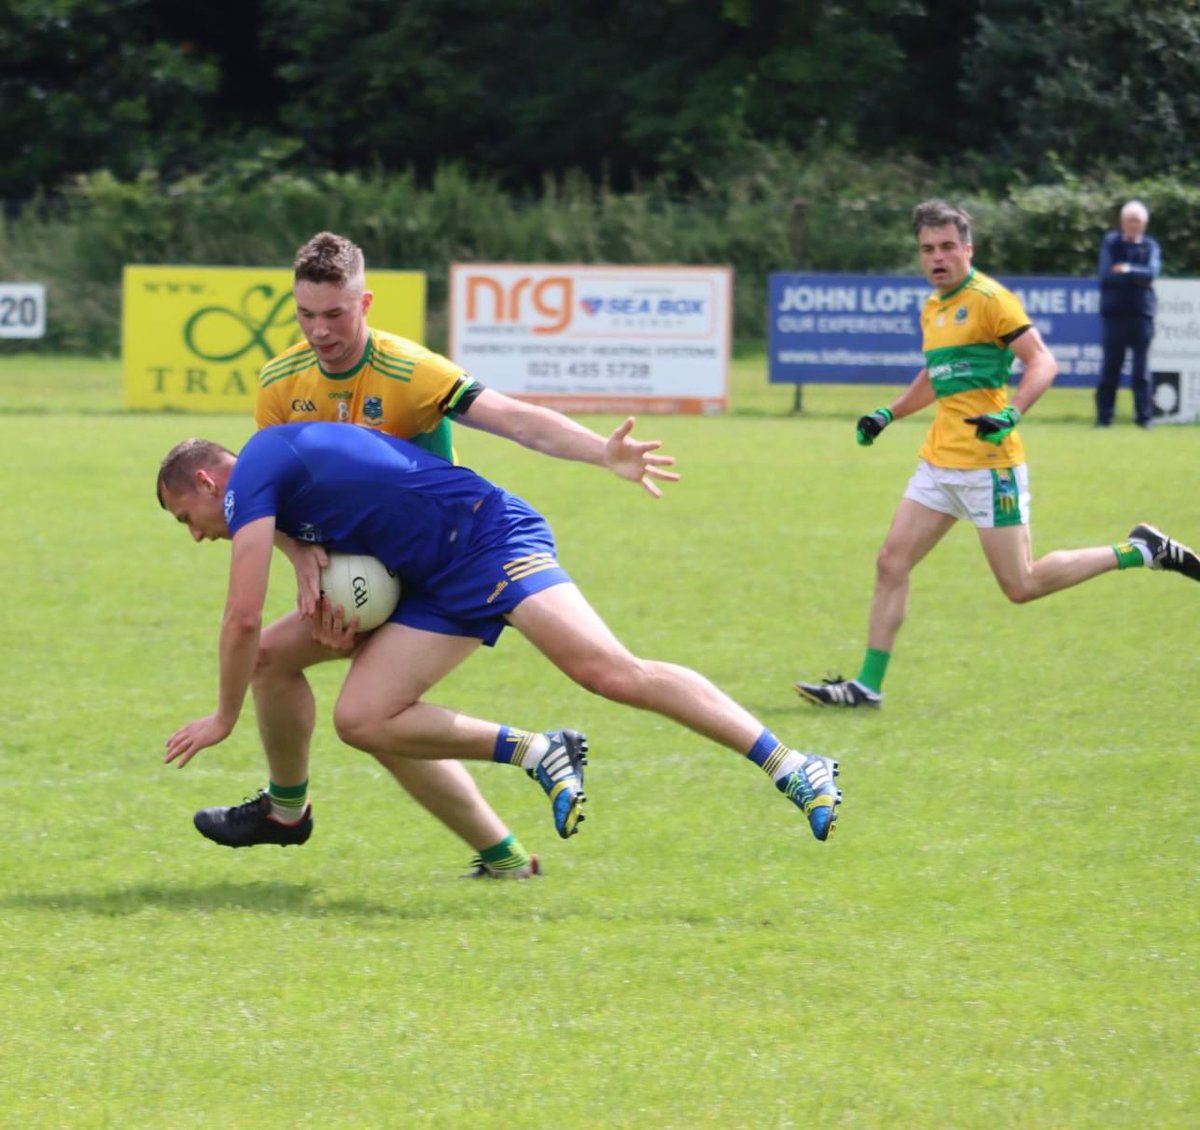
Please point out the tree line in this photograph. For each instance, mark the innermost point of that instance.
(680, 92)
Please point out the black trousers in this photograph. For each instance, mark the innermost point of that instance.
(1124, 333)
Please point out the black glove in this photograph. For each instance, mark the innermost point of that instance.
(870, 426)
(992, 427)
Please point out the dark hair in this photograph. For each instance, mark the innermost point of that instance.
(183, 461)
(937, 213)
(329, 258)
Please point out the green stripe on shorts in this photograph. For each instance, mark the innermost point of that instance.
(1006, 498)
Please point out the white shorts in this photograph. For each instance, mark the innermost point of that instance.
(984, 496)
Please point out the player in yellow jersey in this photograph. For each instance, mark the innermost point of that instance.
(972, 463)
(345, 370)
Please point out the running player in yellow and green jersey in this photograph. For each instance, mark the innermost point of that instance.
(972, 462)
(967, 334)
(346, 371)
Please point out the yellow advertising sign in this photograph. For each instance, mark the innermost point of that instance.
(194, 338)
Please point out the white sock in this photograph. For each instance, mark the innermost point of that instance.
(288, 813)
(534, 751)
(789, 763)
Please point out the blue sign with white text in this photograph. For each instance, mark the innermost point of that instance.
(866, 329)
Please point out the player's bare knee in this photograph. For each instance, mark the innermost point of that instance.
(272, 664)
(890, 568)
(1020, 591)
(264, 664)
(356, 727)
(617, 682)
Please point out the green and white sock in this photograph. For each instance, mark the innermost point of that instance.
(507, 855)
(1131, 554)
(288, 802)
(874, 667)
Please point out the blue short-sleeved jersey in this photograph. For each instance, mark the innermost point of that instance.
(467, 552)
(357, 491)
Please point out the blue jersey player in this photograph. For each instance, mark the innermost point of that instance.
(472, 559)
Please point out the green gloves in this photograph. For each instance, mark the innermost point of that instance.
(869, 427)
(994, 426)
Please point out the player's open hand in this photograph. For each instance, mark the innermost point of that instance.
(189, 740)
(331, 629)
(308, 560)
(636, 460)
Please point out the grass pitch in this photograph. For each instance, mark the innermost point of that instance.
(1002, 933)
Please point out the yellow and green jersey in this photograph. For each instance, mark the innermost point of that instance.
(965, 339)
(400, 387)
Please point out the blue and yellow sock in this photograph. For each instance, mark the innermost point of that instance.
(520, 747)
(773, 757)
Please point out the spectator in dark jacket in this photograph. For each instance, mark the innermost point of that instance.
(1130, 261)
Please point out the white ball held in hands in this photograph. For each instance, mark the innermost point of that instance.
(363, 586)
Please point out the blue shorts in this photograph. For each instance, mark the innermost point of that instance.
(509, 555)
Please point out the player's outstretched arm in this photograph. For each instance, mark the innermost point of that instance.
(552, 433)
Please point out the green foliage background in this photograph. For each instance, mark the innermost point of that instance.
(766, 136)
(786, 214)
(624, 92)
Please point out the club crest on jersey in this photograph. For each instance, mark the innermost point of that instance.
(373, 408)
(960, 315)
(228, 505)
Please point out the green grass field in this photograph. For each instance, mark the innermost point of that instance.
(1003, 933)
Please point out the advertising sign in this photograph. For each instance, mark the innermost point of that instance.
(194, 338)
(22, 310)
(865, 329)
(1175, 352)
(595, 338)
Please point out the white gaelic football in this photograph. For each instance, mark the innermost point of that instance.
(363, 586)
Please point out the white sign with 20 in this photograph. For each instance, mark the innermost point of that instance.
(22, 310)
